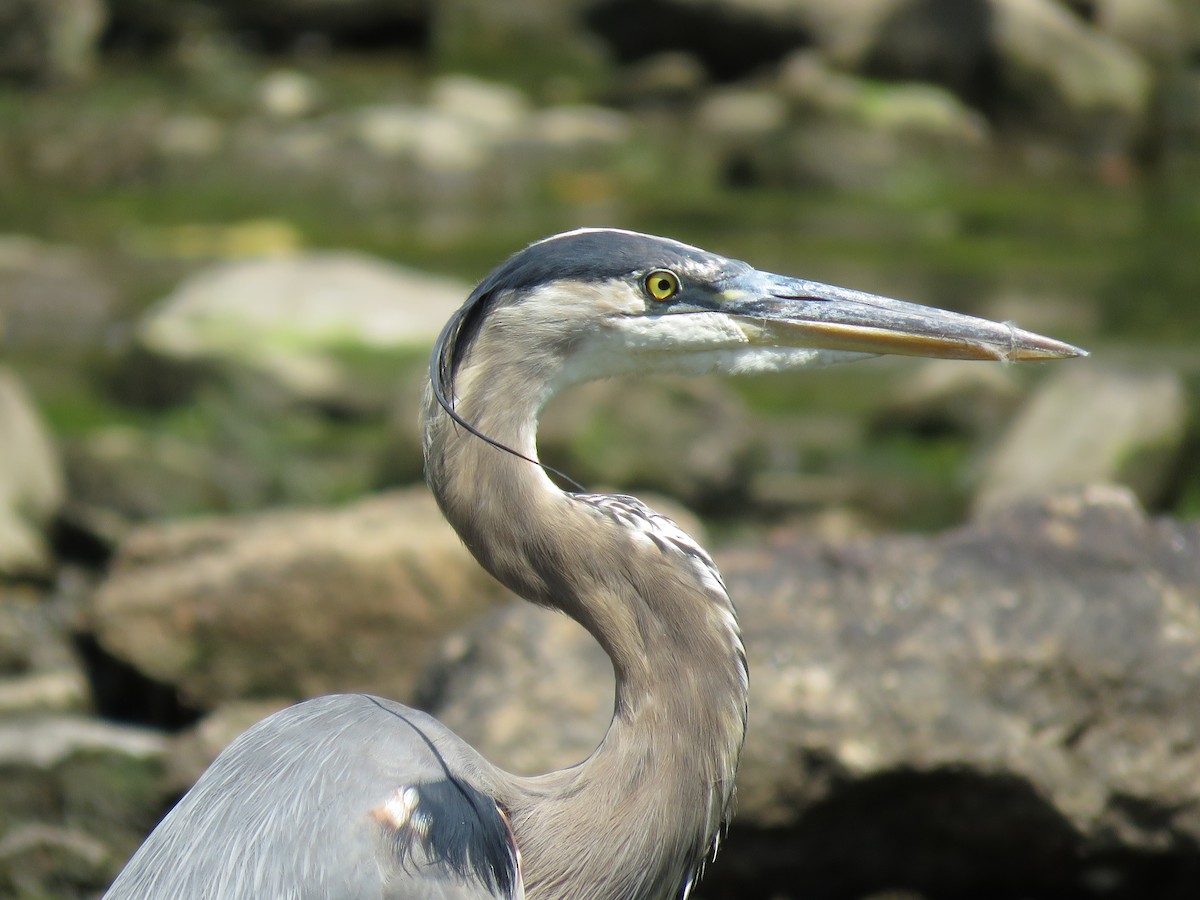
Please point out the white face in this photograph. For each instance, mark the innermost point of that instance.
(701, 342)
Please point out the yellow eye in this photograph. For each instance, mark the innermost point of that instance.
(662, 284)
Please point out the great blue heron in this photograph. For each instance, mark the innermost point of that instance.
(353, 796)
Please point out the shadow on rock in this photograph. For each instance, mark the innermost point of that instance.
(944, 833)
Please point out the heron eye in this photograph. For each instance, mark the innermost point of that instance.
(662, 284)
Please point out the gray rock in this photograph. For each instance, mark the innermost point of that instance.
(455, 133)
(847, 132)
(688, 438)
(18, 609)
(493, 109)
(34, 642)
(1066, 73)
(120, 474)
(185, 138)
(940, 396)
(64, 690)
(529, 688)
(76, 795)
(1088, 425)
(45, 861)
(288, 94)
(566, 131)
(946, 42)
(394, 131)
(1002, 704)
(667, 79)
(49, 40)
(742, 114)
(31, 481)
(1155, 29)
(247, 607)
(44, 742)
(292, 320)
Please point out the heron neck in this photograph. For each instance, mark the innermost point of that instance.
(657, 788)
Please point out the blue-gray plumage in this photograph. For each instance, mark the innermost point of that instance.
(384, 791)
(357, 797)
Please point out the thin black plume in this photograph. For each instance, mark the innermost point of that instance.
(448, 352)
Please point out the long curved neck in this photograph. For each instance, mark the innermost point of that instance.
(635, 819)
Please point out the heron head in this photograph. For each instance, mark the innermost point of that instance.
(594, 303)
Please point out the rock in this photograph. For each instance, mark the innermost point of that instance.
(846, 132)
(312, 301)
(402, 459)
(31, 482)
(939, 396)
(44, 861)
(34, 644)
(529, 688)
(45, 742)
(668, 79)
(1066, 74)
(686, 438)
(396, 131)
(185, 138)
(566, 131)
(1155, 29)
(18, 606)
(294, 321)
(65, 690)
(917, 135)
(1087, 425)
(996, 705)
(291, 603)
(943, 42)
(76, 797)
(742, 114)
(137, 476)
(52, 296)
(288, 94)
(494, 109)
(455, 138)
(49, 40)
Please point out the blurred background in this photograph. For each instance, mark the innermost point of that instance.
(230, 231)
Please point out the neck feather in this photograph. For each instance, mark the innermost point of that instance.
(636, 818)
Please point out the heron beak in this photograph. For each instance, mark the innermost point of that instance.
(777, 310)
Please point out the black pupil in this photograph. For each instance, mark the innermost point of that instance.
(664, 286)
